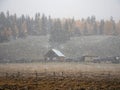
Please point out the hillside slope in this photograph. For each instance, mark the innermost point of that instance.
(93, 45)
(34, 47)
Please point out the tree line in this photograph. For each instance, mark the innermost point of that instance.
(59, 30)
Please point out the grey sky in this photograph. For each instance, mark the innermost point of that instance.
(102, 9)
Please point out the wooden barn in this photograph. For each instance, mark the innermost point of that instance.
(54, 55)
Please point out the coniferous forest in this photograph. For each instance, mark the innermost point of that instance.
(59, 30)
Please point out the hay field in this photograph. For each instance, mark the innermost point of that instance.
(67, 67)
(59, 76)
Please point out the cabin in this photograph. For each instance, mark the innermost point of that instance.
(54, 55)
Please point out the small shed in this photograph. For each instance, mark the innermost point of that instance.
(89, 58)
(54, 55)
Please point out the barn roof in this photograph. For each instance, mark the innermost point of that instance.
(58, 52)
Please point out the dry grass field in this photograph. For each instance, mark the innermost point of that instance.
(59, 76)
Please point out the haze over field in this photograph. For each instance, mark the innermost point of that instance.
(97, 32)
(102, 9)
(59, 44)
(35, 47)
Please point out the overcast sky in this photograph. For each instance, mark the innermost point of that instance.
(102, 9)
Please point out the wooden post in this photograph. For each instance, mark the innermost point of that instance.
(54, 75)
(18, 74)
(36, 78)
(6, 75)
(36, 75)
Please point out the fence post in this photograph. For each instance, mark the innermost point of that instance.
(36, 78)
(6, 75)
(36, 75)
(54, 75)
(62, 74)
(18, 74)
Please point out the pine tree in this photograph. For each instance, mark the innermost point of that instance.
(44, 29)
(101, 28)
(85, 30)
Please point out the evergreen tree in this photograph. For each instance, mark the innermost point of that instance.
(113, 26)
(101, 28)
(44, 25)
(15, 31)
(58, 34)
(95, 29)
(49, 25)
(85, 30)
(24, 30)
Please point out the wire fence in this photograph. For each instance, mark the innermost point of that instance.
(37, 75)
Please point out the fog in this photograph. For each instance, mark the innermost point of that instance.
(102, 9)
(52, 42)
